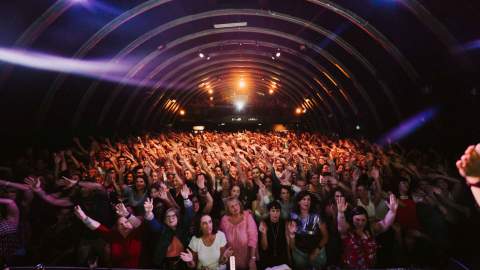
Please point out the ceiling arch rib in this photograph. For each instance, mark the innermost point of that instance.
(363, 25)
(194, 50)
(215, 66)
(137, 11)
(227, 81)
(319, 50)
(90, 44)
(278, 16)
(174, 43)
(215, 69)
(263, 85)
(195, 59)
(226, 61)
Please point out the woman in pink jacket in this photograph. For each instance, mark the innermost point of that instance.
(242, 235)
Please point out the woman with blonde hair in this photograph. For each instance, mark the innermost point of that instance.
(241, 232)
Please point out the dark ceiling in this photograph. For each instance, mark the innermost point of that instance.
(371, 63)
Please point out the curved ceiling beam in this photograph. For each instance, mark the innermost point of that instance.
(35, 30)
(90, 44)
(372, 32)
(215, 66)
(262, 85)
(308, 76)
(193, 50)
(216, 69)
(261, 13)
(335, 63)
(260, 88)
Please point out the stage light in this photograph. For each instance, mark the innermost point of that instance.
(298, 110)
(211, 98)
(210, 91)
(277, 54)
(241, 83)
(182, 112)
(229, 25)
(357, 127)
(208, 58)
(273, 57)
(239, 104)
(201, 55)
(270, 91)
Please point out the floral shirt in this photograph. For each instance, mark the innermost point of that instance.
(359, 252)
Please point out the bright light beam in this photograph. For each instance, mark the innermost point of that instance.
(408, 126)
(103, 70)
(239, 104)
(49, 62)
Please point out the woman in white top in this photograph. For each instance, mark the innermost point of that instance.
(208, 246)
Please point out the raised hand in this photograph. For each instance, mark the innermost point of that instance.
(79, 213)
(33, 182)
(185, 192)
(292, 227)
(263, 227)
(148, 206)
(342, 204)
(121, 210)
(469, 164)
(201, 181)
(186, 256)
(393, 203)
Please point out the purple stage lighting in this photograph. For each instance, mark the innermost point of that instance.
(56, 63)
(97, 69)
(408, 126)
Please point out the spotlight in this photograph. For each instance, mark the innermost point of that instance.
(277, 54)
(182, 112)
(201, 55)
(241, 83)
(270, 91)
(298, 110)
(210, 91)
(239, 104)
(357, 127)
(211, 98)
(273, 57)
(208, 58)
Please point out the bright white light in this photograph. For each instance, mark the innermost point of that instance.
(357, 127)
(56, 63)
(239, 104)
(241, 84)
(278, 54)
(201, 55)
(229, 25)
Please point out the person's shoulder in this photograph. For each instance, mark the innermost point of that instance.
(220, 234)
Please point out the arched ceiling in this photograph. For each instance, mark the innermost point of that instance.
(344, 63)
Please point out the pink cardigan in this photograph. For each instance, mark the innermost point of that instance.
(240, 237)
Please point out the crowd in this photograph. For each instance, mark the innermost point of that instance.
(207, 200)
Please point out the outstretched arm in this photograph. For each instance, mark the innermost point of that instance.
(384, 224)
